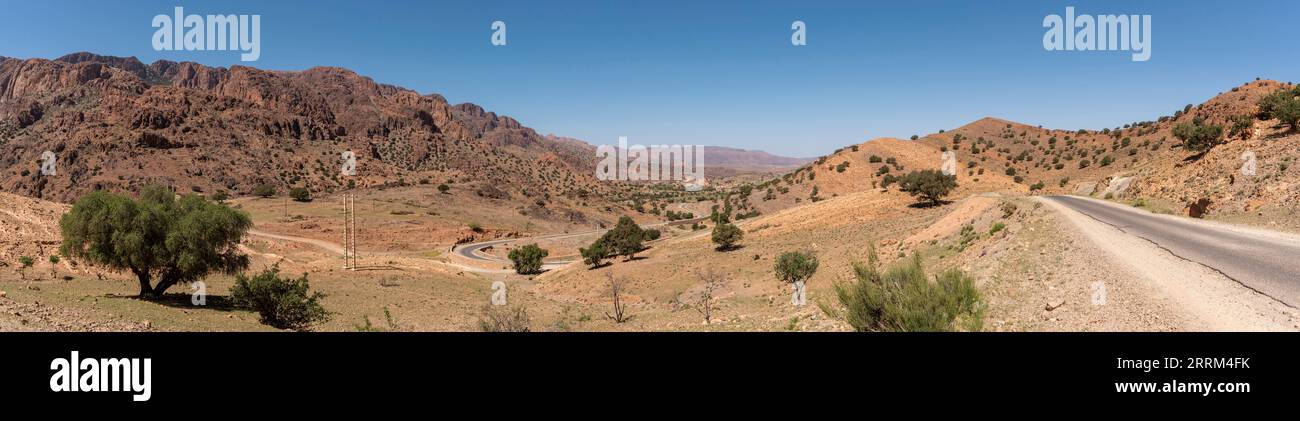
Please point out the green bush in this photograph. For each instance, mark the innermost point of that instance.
(903, 299)
(284, 303)
(264, 191)
(528, 259)
(997, 226)
(300, 194)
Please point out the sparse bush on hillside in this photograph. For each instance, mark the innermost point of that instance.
(1283, 105)
(503, 319)
(928, 185)
(158, 237)
(903, 299)
(528, 259)
(283, 303)
(1197, 136)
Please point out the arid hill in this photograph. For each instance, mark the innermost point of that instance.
(1144, 158)
(117, 124)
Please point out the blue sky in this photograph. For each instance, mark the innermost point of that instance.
(724, 72)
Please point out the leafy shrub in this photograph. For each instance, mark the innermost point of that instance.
(264, 191)
(997, 226)
(283, 303)
(300, 194)
(903, 299)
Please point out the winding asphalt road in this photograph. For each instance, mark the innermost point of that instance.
(1265, 261)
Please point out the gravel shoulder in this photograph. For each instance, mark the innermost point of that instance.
(1197, 297)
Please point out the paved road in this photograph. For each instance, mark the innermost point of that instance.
(471, 251)
(1266, 261)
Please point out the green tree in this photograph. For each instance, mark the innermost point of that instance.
(443, 188)
(796, 266)
(528, 259)
(594, 254)
(1197, 136)
(24, 262)
(54, 266)
(625, 238)
(726, 236)
(928, 185)
(284, 303)
(1283, 105)
(157, 238)
(300, 194)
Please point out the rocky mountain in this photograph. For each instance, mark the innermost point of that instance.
(116, 123)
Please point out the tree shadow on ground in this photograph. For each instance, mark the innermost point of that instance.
(928, 204)
(183, 300)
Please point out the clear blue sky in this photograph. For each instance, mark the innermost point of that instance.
(724, 72)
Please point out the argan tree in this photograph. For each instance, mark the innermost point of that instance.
(594, 254)
(528, 259)
(1198, 136)
(625, 239)
(24, 262)
(795, 268)
(1283, 105)
(726, 236)
(54, 267)
(159, 238)
(928, 185)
